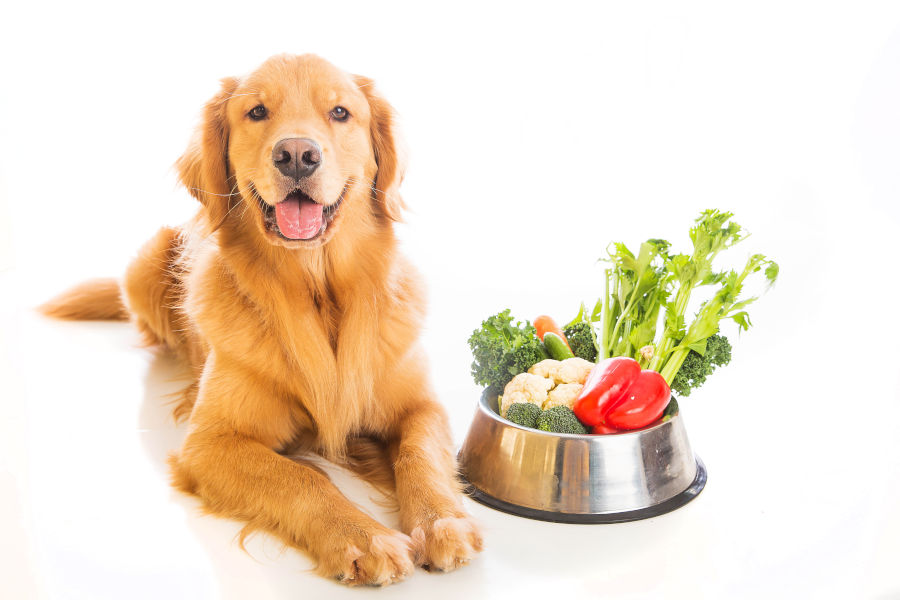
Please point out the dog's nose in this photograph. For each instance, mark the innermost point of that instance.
(297, 157)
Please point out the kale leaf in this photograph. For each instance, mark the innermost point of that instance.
(503, 349)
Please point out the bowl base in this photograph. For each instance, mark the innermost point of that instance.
(669, 505)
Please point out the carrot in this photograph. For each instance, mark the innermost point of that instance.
(544, 324)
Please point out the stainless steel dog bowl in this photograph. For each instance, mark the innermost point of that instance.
(578, 478)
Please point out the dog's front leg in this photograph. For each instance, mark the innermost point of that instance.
(229, 461)
(428, 491)
(401, 408)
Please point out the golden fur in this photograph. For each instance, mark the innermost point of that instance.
(299, 344)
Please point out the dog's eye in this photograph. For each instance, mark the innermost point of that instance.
(258, 112)
(339, 113)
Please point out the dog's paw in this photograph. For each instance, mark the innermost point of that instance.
(372, 559)
(447, 543)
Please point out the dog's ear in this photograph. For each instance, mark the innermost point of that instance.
(203, 168)
(390, 153)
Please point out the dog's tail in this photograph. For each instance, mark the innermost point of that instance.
(94, 300)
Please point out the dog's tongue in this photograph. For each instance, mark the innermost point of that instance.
(298, 218)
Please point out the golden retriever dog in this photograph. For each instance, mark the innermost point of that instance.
(288, 298)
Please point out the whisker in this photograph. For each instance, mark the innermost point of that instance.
(370, 182)
(211, 193)
(227, 98)
(232, 208)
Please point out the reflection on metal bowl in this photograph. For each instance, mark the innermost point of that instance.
(578, 478)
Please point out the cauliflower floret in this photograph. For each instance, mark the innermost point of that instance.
(525, 387)
(546, 368)
(574, 370)
(571, 370)
(564, 394)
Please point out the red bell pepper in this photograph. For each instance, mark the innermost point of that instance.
(644, 402)
(618, 394)
(603, 430)
(606, 383)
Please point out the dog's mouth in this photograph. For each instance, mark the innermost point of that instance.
(298, 217)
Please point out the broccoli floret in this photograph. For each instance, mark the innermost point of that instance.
(581, 341)
(696, 367)
(671, 410)
(503, 349)
(560, 419)
(524, 414)
(528, 354)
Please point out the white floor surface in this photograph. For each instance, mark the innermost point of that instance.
(538, 134)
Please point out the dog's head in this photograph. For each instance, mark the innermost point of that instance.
(293, 147)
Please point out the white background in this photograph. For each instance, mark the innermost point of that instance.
(539, 132)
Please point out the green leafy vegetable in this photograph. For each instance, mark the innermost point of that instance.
(725, 304)
(560, 419)
(642, 313)
(581, 339)
(697, 367)
(524, 414)
(671, 410)
(630, 308)
(503, 349)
